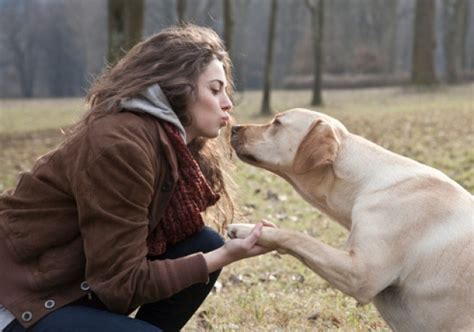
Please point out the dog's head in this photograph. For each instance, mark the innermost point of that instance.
(294, 142)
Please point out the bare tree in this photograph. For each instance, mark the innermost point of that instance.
(317, 21)
(454, 37)
(19, 23)
(468, 26)
(289, 34)
(423, 71)
(181, 11)
(228, 25)
(343, 29)
(266, 109)
(125, 26)
(59, 51)
(241, 41)
(391, 40)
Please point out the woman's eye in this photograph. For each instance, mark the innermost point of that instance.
(215, 91)
(276, 122)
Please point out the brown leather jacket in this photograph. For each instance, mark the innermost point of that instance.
(78, 222)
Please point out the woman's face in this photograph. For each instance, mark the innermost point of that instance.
(210, 109)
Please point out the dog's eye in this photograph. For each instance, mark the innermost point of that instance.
(276, 122)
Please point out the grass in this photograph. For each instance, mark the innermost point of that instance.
(26, 115)
(274, 292)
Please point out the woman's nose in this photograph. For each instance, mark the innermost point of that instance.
(226, 104)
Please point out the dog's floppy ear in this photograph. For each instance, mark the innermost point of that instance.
(318, 148)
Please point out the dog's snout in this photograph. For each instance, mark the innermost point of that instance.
(235, 129)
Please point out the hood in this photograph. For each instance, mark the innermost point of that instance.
(154, 102)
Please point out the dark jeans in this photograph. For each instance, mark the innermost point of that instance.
(170, 314)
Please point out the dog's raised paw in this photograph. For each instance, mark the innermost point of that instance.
(239, 230)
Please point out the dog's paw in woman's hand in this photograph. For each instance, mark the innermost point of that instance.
(267, 239)
(239, 231)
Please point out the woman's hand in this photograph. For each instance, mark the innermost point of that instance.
(237, 249)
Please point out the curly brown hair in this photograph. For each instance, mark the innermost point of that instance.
(174, 58)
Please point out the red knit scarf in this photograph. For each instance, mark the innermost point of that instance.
(192, 196)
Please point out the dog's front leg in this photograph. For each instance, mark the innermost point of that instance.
(351, 271)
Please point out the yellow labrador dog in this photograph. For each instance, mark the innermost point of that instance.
(411, 244)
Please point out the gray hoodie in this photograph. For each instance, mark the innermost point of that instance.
(153, 101)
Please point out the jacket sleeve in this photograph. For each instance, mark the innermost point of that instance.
(113, 195)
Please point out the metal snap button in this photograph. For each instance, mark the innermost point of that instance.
(85, 286)
(49, 304)
(26, 316)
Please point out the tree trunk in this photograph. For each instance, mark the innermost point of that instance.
(228, 25)
(460, 19)
(181, 11)
(19, 28)
(454, 38)
(423, 71)
(287, 38)
(317, 21)
(23, 61)
(266, 108)
(449, 40)
(125, 22)
(241, 40)
(463, 22)
(391, 40)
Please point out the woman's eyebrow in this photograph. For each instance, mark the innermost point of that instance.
(221, 84)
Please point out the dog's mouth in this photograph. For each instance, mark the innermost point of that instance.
(234, 142)
(247, 157)
(243, 155)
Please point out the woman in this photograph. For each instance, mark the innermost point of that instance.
(110, 221)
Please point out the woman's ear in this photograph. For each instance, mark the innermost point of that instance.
(318, 148)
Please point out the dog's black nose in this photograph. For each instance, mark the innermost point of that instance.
(235, 129)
